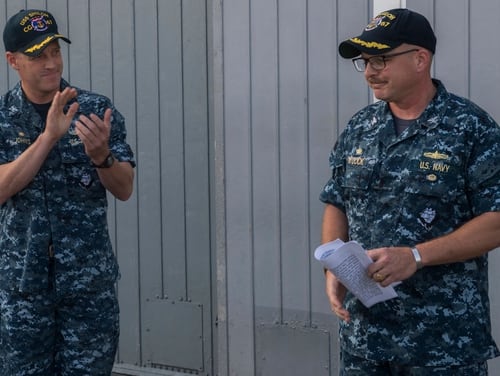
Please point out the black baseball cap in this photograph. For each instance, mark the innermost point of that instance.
(30, 31)
(389, 30)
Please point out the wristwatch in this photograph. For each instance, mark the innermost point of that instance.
(108, 162)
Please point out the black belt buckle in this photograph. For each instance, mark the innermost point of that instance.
(51, 250)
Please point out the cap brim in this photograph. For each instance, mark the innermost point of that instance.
(356, 46)
(37, 46)
(348, 50)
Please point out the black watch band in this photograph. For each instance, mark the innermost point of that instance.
(108, 162)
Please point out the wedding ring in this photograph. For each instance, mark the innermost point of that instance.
(378, 277)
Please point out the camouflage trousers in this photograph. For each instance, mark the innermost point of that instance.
(45, 334)
(351, 365)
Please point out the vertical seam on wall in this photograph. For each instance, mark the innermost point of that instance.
(89, 28)
(278, 160)
(337, 76)
(183, 104)
(140, 309)
(308, 160)
(68, 69)
(223, 136)
(211, 195)
(163, 286)
(469, 55)
(251, 177)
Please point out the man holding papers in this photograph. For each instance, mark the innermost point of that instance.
(416, 182)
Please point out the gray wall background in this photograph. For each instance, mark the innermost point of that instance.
(232, 108)
(287, 95)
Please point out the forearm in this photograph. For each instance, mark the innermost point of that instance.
(118, 179)
(334, 225)
(473, 239)
(16, 175)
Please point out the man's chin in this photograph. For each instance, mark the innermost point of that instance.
(378, 94)
(52, 86)
(52, 80)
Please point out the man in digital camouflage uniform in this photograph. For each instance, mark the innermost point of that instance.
(61, 150)
(415, 180)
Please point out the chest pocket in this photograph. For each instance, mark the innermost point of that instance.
(436, 179)
(14, 142)
(71, 148)
(81, 177)
(358, 173)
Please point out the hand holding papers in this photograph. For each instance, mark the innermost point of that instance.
(348, 262)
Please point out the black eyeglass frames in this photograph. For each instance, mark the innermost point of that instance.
(376, 62)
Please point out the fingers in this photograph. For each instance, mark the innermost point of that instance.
(94, 133)
(107, 116)
(390, 264)
(383, 279)
(374, 270)
(61, 98)
(336, 293)
(72, 110)
(378, 277)
(58, 122)
(94, 129)
(341, 313)
(88, 125)
(96, 124)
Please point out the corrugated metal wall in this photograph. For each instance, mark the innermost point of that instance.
(279, 121)
(232, 108)
(150, 57)
(286, 97)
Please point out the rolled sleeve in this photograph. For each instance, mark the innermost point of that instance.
(332, 191)
(484, 170)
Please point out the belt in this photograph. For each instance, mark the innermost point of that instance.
(51, 250)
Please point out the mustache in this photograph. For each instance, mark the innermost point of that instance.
(375, 81)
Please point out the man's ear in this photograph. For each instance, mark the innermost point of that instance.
(424, 59)
(12, 60)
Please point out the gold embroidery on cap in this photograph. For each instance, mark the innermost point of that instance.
(42, 43)
(377, 45)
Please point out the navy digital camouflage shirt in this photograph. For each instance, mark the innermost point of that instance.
(65, 204)
(402, 190)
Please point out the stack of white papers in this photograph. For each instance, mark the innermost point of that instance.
(348, 262)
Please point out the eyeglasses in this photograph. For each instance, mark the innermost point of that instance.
(376, 62)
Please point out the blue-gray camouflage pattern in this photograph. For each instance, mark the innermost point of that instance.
(352, 365)
(65, 203)
(85, 333)
(402, 190)
(58, 315)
